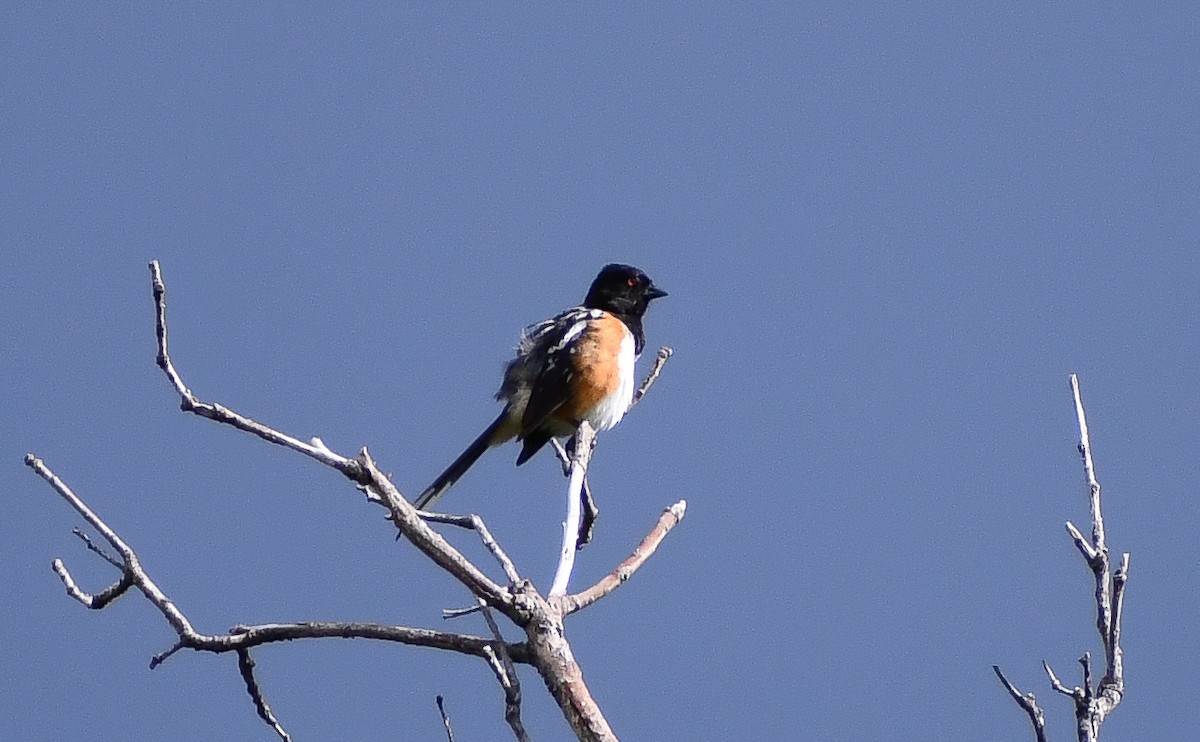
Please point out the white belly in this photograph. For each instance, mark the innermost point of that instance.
(610, 410)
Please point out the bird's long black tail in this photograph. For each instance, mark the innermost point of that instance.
(454, 472)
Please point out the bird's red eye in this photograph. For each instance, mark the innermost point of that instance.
(632, 281)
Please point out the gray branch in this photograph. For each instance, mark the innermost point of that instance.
(545, 648)
(506, 674)
(441, 704)
(240, 639)
(1028, 702)
(246, 667)
(610, 582)
(1093, 702)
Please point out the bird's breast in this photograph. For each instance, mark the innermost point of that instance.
(604, 379)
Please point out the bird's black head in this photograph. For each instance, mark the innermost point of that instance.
(622, 290)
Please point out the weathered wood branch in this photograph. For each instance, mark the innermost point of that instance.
(1092, 702)
(541, 619)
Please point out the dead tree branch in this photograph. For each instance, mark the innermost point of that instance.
(541, 619)
(1093, 703)
(240, 639)
(441, 704)
(1028, 702)
(610, 582)
(590, 511)
(506, 674)
(246, 668)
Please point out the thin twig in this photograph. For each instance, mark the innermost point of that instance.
(162, 657)
(379, 489)
(475, 523)
(445, 717)
(1028, 702)
(98, 600)
(190, 403)
(668, 520)
(87, 541)
(660, 360)
(1058, 685)
(449, 613)
(246, 667)
(243, 637)
(1089, 468)
(134, 576)
(506, 674)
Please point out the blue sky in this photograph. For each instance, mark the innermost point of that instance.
(889, 232)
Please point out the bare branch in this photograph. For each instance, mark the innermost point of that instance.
(1099, 548)
(408, 519)
(246, 667)
(255, 635)
(1116, 657)
(1100, 701)
(1090, 555)
(87, 541)
(660, 360)
(506, 564)
(190, 403)
(1058, 685)
(542, 620)
(1089, 469)
(475, 523)
(506, 674)
(1086, 663)
(1028, 702)
(133, 577)
(555, 662)
(1093, 703)
(585, 443)
(162, 657)
(450, 613)
(362, 470)
(668, 520)
(587, 524)
(241, 637)
(100, 599)
(445, 718)
(590, 512)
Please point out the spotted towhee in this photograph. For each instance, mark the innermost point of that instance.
(573, 367)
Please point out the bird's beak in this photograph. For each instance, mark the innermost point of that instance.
(654, 292)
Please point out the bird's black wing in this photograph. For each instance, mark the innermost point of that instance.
(545, 366)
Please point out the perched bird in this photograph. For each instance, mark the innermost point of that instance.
(576, 366)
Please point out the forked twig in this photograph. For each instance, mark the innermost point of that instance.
(668, 520)
(1028, 702)
(1093, 702)
(545, 647)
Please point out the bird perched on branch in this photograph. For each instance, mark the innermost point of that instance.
(573, 367)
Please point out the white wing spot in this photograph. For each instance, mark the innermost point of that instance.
(573, 332)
